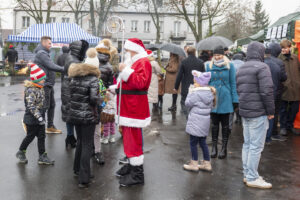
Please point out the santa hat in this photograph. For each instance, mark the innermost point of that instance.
(91, 57)
(104, 47)
(135, 44)
(149, 52)
(201, 78)
(36, 73)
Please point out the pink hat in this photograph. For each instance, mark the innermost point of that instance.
(135, 44)
(202, 78)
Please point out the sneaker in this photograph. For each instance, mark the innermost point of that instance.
(205, 165)
(24, 126)
(259, 183)
(104, 140)
(124, 160)
(268, 143)
(278, 138)
(45, 160)
(22, 157)
(283, 132)
(112, 140)
(245, 179)
(53, 129)
(191, 166)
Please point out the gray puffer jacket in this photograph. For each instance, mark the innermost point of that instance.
(43, 60)
(255, 85)
(200, 103)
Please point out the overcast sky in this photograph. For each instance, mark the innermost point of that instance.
(280, 8)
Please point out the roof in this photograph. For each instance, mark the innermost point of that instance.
(286, 19)
(59, 32)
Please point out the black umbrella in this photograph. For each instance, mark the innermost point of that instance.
(173, 48)
(152, 47)
(211, 43)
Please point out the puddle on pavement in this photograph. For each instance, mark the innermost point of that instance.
(6, 81)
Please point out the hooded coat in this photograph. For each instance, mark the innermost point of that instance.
(171, 73)
(255, 85)
(43, 60)
(153, 89)
(106, 69)
(76, 55)
(62, 58)
(84, 94)
(200, 102)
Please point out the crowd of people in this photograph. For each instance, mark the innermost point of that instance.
(98, 91)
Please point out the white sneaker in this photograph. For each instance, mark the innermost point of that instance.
(245, 179)
(112, 140)
(259, 183)
(104, 140)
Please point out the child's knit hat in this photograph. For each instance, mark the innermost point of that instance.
(201, 78)
(36, 73)
(91, 57)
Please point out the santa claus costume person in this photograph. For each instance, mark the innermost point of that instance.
(135, 74)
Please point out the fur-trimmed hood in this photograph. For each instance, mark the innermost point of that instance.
(28, 83)
(83, 69)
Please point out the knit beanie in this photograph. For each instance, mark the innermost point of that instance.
(91, 57)
(219, 50)
(201, 78)
(103, 47)
(36, 73)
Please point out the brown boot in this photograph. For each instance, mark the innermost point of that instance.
(53, 129)
(191, 166)
(205, 165)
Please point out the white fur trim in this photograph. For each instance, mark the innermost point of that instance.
(139, 56)
(125, 74)
(113, 88)
(130, 122)
(101, 45)
(133, 47)
(136, 161)
(192, 88)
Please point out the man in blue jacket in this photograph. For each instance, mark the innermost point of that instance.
(43, 60)
(256, 105)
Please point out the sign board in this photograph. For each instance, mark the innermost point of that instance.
(279, 31)
(284, 31)
(269, 33)
(274, 33)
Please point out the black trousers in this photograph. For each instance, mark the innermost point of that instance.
(84, 151)
(49, 104)
(288, 112)
(32, 132)
(276, 117)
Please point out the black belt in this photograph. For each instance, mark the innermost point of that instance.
(132, 92)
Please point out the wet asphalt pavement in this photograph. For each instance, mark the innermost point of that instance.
(166, 150)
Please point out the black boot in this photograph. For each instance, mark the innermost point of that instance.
(160, 102)
(68, 141)
(99, 158)
(124, 170)
(173, 108)
(136, 176)
(225, 136)
(73, 141)
(215, 134)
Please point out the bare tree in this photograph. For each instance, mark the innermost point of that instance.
(77, 6)
(35, 8)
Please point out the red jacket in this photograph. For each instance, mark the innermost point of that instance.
(135, 108)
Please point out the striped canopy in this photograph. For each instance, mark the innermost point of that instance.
(59, 32)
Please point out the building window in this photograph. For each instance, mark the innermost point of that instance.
(134, 26)
(65, 20)
(52, 19)
(25, 22)
(146, 26)
(177, 28)
(161, 24)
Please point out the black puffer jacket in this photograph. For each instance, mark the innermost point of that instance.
(12, 55)
(62, 57)
(77, 53)
(85, 97)
(106, 69)
(255, 85)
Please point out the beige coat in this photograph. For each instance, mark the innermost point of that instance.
(171, 74)
(114, 59)
(153, 89)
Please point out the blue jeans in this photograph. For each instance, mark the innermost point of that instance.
(255, 131)
(70, 129)
(194, 140)
(270, 130)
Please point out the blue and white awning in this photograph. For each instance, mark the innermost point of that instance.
(59, 32)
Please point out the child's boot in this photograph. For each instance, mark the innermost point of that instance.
(45, 160)
(104, 140)
(205, 165)
(22, 157)
(192, 166)
(112, 139)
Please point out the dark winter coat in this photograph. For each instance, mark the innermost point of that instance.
(62, 58)
(76, 55)
(255, 85)
(85, 97)
(291, 90)
(43, 60)
(11, 55)
(275, 51)
(277, 75)
(34, 99)
(106, 70)
(185, 76)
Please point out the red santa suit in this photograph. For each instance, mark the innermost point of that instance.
(134, 111)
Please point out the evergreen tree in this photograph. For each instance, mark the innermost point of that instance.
(260, 18)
